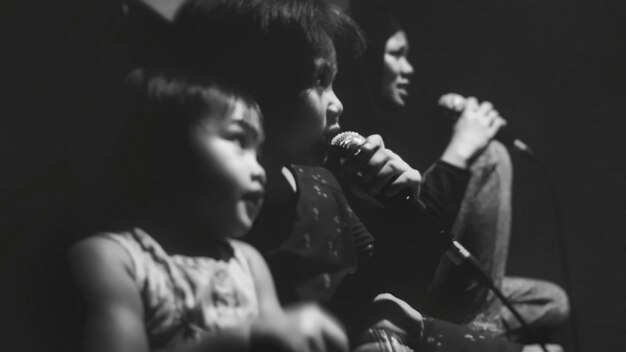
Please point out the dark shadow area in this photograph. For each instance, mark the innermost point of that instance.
(553, 68)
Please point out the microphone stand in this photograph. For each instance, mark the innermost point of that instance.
(463, 259)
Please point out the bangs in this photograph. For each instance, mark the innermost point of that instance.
(162, 107)
(216, 95)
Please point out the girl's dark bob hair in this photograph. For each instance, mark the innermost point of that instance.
(267, 46)
(153, 158)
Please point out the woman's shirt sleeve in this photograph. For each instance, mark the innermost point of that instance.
(443, 190)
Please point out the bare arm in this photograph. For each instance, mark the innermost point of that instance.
(301, 328)
(114, 320)
(115, 317)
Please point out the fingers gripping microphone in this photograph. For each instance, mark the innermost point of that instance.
(348, 153)
(453, 104)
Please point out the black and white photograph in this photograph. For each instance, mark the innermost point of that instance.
(313, 175)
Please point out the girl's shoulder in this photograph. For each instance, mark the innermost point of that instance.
(114, 251)
(102, 270)
(100, 246)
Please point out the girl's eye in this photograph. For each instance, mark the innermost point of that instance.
(323, 81)
(397, 53)
(247, 145)
(240, 140)
(324, 78)
(245, 142)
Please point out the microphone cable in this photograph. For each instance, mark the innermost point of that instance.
(561, 242)
(452, 104)
(463, 259)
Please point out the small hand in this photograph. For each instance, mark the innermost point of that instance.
(305, 328)
(385, 174)
(536, 348)
(472, 132)
(391, 325)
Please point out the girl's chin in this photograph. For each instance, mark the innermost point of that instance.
(241, 230)
(248, 213)
(317, 154)
(311, 159)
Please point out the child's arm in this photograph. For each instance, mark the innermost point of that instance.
(301, 328)
(114, 311)
(115, 320)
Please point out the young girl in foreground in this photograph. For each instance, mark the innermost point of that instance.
(169, 273)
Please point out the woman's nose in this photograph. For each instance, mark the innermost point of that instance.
(407, 68)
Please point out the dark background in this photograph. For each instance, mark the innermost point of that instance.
(553, 68)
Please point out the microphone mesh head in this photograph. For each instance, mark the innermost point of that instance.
(347, 140)
(343, 146)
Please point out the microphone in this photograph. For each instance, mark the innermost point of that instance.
(347, 154)
(453, 104)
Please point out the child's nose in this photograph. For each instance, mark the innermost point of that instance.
(258, 172)
(335, 108)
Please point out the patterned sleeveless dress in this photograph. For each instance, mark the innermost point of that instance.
(187, 297)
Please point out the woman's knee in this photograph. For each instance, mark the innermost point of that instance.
(558, 307)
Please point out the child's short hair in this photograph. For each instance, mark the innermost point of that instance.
(268, 46)
(154, 151)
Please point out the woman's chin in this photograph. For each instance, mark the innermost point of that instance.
(399, 101)
(393, 103)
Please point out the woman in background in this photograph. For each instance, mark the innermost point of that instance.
(468, 189)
